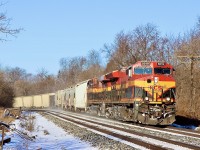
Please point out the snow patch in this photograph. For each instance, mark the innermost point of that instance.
(47, 136)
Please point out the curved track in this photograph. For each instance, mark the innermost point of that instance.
(126, 132)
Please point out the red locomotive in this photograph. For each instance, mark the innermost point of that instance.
(143, 92)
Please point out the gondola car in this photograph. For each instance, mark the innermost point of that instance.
(143, 92)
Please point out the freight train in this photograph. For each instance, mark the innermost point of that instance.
(143, 92)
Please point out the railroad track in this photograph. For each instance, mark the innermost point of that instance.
(178, 131)
(129, 133)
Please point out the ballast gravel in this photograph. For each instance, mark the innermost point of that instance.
(96, 140)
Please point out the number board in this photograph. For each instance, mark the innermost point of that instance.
(160, 63)
(145, 63)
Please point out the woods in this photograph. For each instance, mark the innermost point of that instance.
(187, 74)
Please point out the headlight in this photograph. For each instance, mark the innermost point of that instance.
(168, 99)
(156, 79)
(146, 98)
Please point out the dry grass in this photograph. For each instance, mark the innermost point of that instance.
(8, 119)
(28, 122)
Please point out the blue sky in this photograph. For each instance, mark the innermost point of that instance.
(68, 28)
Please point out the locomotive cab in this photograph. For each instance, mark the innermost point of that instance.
(153, 82)
(154, 92)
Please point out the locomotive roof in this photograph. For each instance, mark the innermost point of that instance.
(152, 64)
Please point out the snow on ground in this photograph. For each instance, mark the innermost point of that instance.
(47, 136)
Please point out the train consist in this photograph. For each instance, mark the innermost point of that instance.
(143, 92)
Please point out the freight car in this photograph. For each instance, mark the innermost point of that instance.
(80, 101)
(69, 98)
(143, 92)
(36, 101)
(59, 98)
(65, 99)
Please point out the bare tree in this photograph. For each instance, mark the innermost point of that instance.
(23, 88)
(14, 74)
(43, 82)
(6, 93)
(93, 65)
(166, 49)
(18, 80)
(146, 41)
(143, 43)
(70, 71)
(42, 74)
(93, 58)
(5, 27)
(121, 52)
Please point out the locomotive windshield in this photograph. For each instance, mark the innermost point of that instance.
(143, 70)
(162, 70)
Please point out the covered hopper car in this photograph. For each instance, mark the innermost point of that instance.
(35, 101)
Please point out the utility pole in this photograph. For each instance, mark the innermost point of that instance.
(191, 59)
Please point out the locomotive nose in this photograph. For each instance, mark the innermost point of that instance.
(160, 88)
